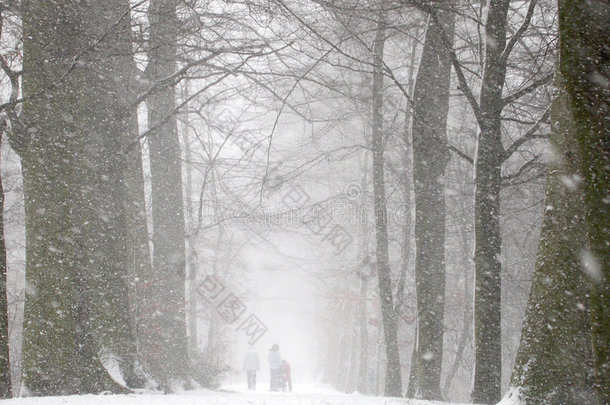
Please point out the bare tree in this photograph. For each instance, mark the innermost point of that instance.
(490, 155)
(393, 381)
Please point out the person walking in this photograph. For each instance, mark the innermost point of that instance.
(251, 366)
(275, 367)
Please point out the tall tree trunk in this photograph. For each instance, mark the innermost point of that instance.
(466, 332)
(343, 354)
(409, 201)
(363, 273)
(362, 384)
(393, 380)
(5, 369)
(351, 377)
(584, 29)
(430, 157)
(193, 232)
(488, 241)
(139, 265)
(76, 312)
(413, 374)
(164, 336)
(554, 361)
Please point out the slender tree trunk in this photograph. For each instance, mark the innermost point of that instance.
(393, 381)
(352, 371)
(192, 287)
(379, 362)
(139, 265)
(585, 64)
(343, 355)
(362, 384)
(5, 369)
(364, 272)
(430, 157)
(192, 237)
(488, 240)
(409, 201)
(555, 363)
(165, 343)
(466, 333)
(413, 374)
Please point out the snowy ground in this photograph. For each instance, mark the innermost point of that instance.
(309, 394)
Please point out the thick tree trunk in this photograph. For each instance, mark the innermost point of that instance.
(5, 369)
(488, 241)
(393, 380)
(585, 64)
(554, 361)
(76, 310)
(164, 341)
(430, 157)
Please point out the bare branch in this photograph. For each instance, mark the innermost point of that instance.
(461, 154)
(529, 135)
(511, 44)
(510, 180)
(526, 90)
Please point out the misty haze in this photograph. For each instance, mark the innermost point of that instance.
(312, 202)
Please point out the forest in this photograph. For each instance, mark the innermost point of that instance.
(410, 197)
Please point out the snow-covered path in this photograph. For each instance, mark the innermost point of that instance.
(310, 394)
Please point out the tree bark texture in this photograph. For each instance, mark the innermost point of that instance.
(5, 369)
(554, 363)
(430, 157)
(584, 28)
(76, 311)
(488, 240)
